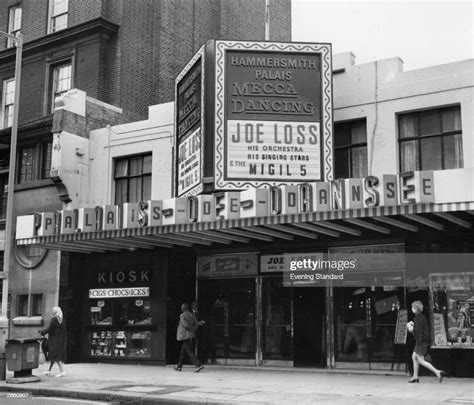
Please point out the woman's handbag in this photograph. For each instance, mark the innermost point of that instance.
(428, 358)
(45, 347)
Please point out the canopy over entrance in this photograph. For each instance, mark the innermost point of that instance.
(383, 220)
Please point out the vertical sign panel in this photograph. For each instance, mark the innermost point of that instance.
(189, 127)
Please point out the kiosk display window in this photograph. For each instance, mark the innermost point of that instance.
(139, 344)
(120, 312)
(120, 327)
(453, 309)
(101, 343)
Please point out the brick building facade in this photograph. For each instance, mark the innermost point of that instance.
(120, 53)
(127, 53)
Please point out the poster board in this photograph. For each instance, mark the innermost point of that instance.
(439, 330)
(189, 126)
(272, 126)
(401, 329)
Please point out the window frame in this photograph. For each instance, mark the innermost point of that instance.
(418, 136)
(4, 120)
(38, 161)
(52, 17)
(350, 146)
(12, 18)
(64, 57)
(53, 81)
(3, 194)
(30, 300)
(128, 177)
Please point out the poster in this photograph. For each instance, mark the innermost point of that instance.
(401, 329)
(189, 163)
(439, 330)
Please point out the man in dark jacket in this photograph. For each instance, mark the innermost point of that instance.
(186, 332)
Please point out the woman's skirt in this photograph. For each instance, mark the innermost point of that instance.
(421, 348)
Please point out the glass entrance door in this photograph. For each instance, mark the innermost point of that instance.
(228, 307)
(286, 328)
(365, 322)
(277, 345)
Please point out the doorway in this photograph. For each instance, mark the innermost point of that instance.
(228, 308)
(277, 323)
(309, 315)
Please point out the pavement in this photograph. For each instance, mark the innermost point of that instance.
(144, 384)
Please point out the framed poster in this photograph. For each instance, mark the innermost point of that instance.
(401, 328)
(440, 338)
(231, 265)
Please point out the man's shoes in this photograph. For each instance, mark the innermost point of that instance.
(61, 374)
(48, 373)
(199, 369)
(177, 368)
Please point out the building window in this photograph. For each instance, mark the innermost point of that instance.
(22, 307)
(58, 10)
(29, 256)
(8, 102)
(34, 162)
(27, 157)
(132, 179)
(350, 147)
(430, 140)
(4, 169)
(61, 81)
(46, 153)
(30, 305)
(3, 194)
(14, 24)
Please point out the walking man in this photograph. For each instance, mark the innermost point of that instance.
(188, 325)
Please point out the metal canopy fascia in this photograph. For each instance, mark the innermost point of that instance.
(243, 230)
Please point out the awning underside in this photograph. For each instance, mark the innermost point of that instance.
(355, 223)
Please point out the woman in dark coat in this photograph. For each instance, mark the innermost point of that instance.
(419, 328)
(56, 332)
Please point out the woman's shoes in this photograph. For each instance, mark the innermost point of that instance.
(441, 376)
(414, 380)
(177, 368)
(61, 374)
(48, 373)
(199, 369)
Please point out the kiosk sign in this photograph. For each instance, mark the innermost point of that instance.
(276, 104)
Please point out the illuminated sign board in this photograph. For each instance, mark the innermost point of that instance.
(189, 96)
(273, 117)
